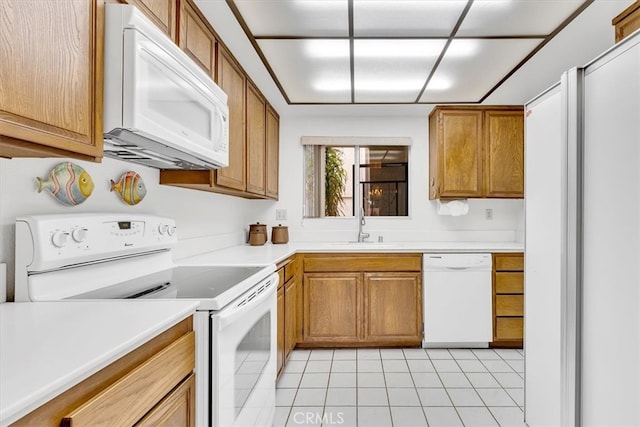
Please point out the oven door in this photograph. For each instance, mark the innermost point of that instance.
(244, 359)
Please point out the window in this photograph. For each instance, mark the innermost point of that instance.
(333, 188)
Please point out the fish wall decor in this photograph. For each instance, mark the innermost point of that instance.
(130, 187)
(68, 183)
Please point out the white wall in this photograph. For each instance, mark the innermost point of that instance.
(422, 224)
(205, 221)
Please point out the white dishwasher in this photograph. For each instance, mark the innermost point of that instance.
(457, 300)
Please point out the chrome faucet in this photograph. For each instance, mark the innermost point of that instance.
(362, 236)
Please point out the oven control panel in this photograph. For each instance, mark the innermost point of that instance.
(54, 241)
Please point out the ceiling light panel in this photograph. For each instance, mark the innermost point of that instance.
(311, 18)
(406, 18)
(392, 70)
(467, 79)
(309, 78)
(515, 17)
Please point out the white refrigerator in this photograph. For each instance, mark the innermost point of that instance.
(582, 245)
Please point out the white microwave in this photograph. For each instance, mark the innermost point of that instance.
(160, 108)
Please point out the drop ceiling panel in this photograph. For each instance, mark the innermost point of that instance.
(466, 78)
(311, 71)
(324, 18)
(404, 18)
(515, 17)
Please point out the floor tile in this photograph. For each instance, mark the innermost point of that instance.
(395, 365)
(434, 397)
(516, 394)
(307, 416)
(446, 366)
(342, 379)
(426, 379)
(294, 366)
(439, 353)
(517, 365)
(403, 396)
(321, 354)
(315, 366)
(343, 366)
(398, 379)
(454, 379)
(415, 353)
(391, 353)
(508, 417)
(299, 354)
(310, 397)
(509, 380)
(372, 396)
(418, 365)
(317, 380)
(442, 417)
(464, 397)
(408, 417)
(497, 366)
(482, 379)
(369, 365)
(344, 354)
(282, 413)
(341, 416)
(289, 380)
(374, 416)
(495, 397)
(486, 354)
(476, 417)
(509, 354)
(368, 353)
(341, 397)
(472, 366)
(371, 379)
(285, 396)
(462, 354)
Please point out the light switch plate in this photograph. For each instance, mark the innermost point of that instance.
(281, 214)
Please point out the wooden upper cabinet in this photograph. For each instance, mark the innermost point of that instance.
(273, 150)
(476, 152)
(232, 81)
(196, 39)
(256, 140)
(504, 154)
(161, 12)
(51, 78)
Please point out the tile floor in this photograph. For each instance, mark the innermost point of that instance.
(401, 387)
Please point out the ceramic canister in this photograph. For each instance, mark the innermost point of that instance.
(279, 234)
(257, 234)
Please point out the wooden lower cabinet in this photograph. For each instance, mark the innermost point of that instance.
(290, 316)
(280, 328)
(508, 300)
(176, 409)
(289, 310)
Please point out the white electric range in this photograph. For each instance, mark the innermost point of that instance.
(117, 256)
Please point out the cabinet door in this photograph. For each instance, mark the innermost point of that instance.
(161, 12)
(232, 81)
(393, 308)
(290, 314)
(51, 73)
(256, 140)
(272, 162)
(459, 153)
(176, 409)
(280, 310)
(196, 39)
(332, 307)
(504, 154)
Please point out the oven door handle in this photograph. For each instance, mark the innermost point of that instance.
(248, 302)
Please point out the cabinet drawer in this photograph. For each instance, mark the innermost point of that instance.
(509, 305)
(362, 262)
(509, 328)
(509, 283)
(281, 280)
(129, 399)
(509, 263)
(291, 269)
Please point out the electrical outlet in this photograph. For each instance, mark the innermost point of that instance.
(488, 214)
(281, 214)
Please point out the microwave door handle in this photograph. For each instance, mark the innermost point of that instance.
(218, 143)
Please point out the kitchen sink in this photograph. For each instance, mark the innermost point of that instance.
(364, 245)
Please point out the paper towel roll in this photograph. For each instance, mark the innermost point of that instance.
(453, 207)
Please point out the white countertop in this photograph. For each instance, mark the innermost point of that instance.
(270, 253)
(48, 347)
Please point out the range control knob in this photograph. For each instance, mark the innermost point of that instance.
(162, 228)
(79, 234)
(59, 238)
(171, 230)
